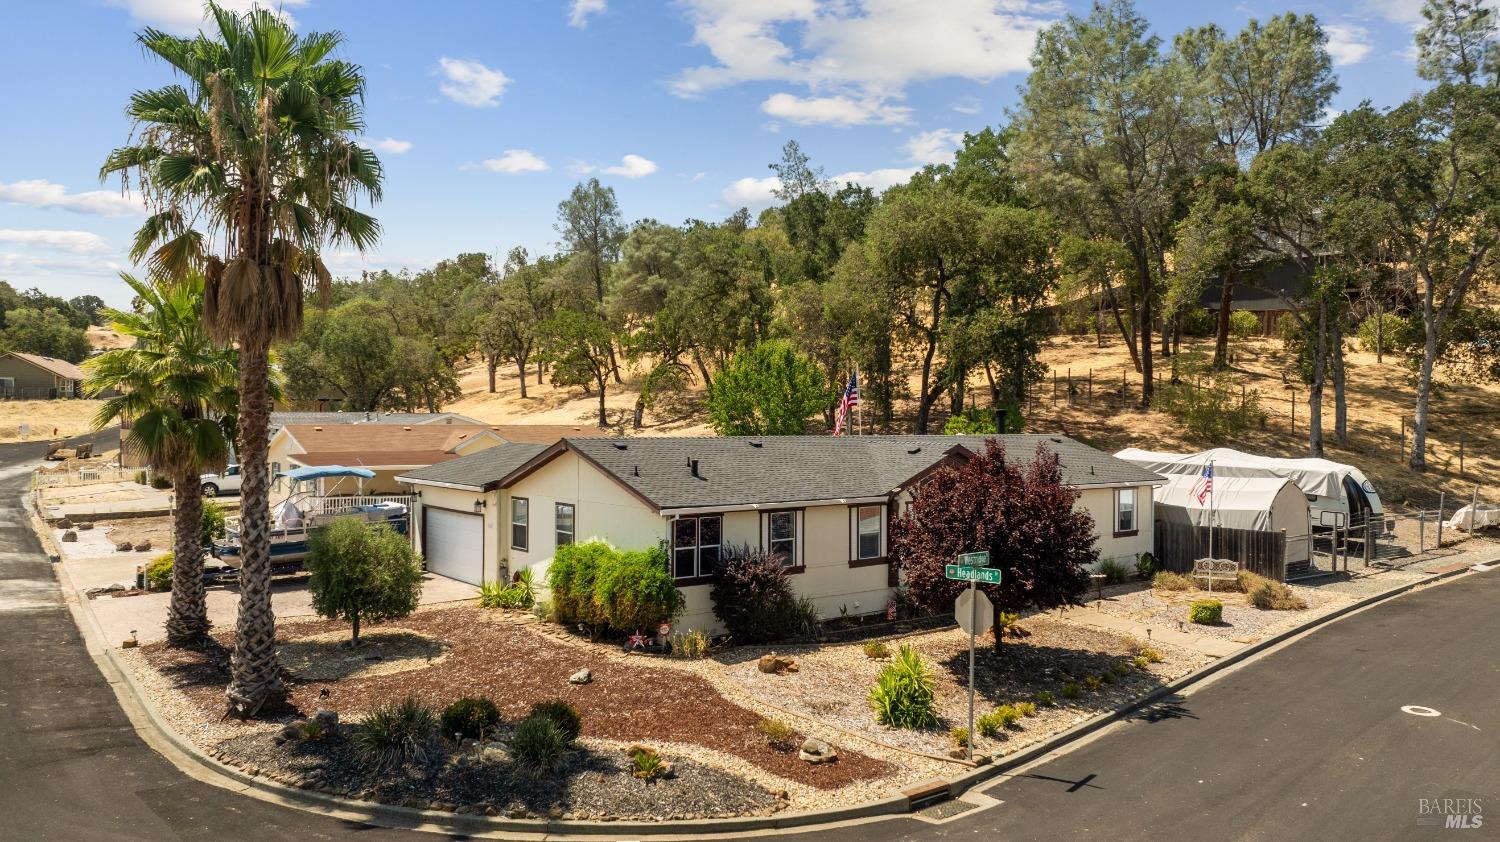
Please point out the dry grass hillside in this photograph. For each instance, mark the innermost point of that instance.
(1379, 395)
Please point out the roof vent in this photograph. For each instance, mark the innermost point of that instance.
(619, 445)
(407, 429)
(757, 443)
(1056, 440)
(635, 471)
(317, 429)
(1091, 470)
(693, 467)
(917, 449)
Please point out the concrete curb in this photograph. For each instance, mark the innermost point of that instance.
(1000, 766)
(898, 803)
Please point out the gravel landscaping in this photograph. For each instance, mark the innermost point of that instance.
(592, 782)
(1243, 623)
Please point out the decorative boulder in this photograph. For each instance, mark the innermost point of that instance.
(65, 524)
(123, 546)
(774, 664)
(84, 525)
(329, 719)
(142, 546)
(817, 751)
(69, 537)
(583, 676)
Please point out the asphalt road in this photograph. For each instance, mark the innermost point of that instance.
(1308, 744)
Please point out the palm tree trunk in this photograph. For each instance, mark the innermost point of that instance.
(255, 684)
(187, 616)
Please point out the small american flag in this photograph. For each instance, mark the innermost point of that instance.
(846, 403)
(1205, 484)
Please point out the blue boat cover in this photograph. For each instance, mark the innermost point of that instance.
(322, 471)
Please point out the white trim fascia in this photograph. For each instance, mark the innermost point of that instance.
(766, 507)
(406, 480)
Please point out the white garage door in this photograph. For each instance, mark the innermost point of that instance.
(454, 544)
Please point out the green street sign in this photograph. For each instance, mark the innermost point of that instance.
(979, 559)
(987, 575)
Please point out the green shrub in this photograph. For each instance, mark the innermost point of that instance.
(213, 522)
(1210, 406)
(311, 731)
(691, 644)
(1151, 655)
(1197, 321)
(1243, 324)
(1092, 683)
(1206, 612)
(1166, 580)
(1274, 596)
(753, 597)
(1107, 677)
(1046, 699)
(646, 764)
(1121, 668)
(1140, 662)
(396, 732)
(779, 735)
(973, 421)
(538, 744)
(959, 736)
(634, 591)
(1399, 336)
(362, 572)
(159, 572)
(876, 650)
(471, 716)
(561, 714)
(1071, 690)
(572, 574)
(904, 696)
(1145, 567)
(992, 725)
(160, 482)
(1114, 572)
(520, 594)
(1025, 708)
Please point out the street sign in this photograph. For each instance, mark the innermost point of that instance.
(979, 559)
(987, 575)
(974, 618)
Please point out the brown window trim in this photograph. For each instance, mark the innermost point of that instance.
(799, 525)
(702, 578)
(1135, 512)
(885, 532)
(695, 580)
(870, 562)
(1129, 534)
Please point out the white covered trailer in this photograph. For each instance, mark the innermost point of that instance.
(1240, 504)
(1337, 494)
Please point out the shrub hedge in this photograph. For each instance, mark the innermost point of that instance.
(753, 598)
(597, 585)
(1206, 612)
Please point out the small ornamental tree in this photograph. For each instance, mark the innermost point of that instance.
(1025, 517)
(363, 573)
(767, 390)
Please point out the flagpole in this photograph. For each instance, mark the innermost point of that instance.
(861, 405)
(1211, 517)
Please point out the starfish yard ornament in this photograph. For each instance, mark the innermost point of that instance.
(636, 641)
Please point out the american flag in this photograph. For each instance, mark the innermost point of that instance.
(846, 403)
(1205, 484)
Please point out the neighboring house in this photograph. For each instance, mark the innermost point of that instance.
(825, 502)
(391, 449)
(1269, 291)
(281, 419)
(34, 376)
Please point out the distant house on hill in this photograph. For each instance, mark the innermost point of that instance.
(34, 376)
(1268, 291)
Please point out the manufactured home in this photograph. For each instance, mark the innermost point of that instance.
(824, 503)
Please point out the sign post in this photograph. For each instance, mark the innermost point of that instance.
(973, 611)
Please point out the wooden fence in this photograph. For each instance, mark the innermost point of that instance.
(1179, 544)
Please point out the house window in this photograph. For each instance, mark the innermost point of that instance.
(695, 546)
(867, 532)
(1125, 523)
(781, 534)
(564, 527)
(520, 512)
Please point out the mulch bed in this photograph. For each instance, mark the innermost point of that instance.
(588, 784)
(517, 668)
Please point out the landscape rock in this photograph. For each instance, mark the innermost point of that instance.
(817, 751)
(84, 525)
(774, 664)
(142, 546)
(69, 537)
(65, 524)
(517, 813)
(583, 676)
(123, 546)
(329, 719)
(130, 643)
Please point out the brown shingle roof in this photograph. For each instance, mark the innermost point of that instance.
(372, 459)
(61, 368)
(413, 444)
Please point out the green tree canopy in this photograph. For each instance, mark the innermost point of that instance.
(767, 390)
(362, 573)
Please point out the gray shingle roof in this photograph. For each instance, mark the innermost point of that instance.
(282, 419)
(482, 470)
(734, 471)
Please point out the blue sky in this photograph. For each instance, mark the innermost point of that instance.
(486, 113)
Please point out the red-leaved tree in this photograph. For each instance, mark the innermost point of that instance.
(1025, 517)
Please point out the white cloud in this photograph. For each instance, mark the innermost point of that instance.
(578, 16)
(1347, 44)
(699, 176)
(934, 147)
(753, 193)
(867, 52)
(876, 180)
(389, 145)
(968, 105)
(184, 17)
(471, 83)
(40, 193)
(1397, 11)
(515, 161)
(632, 166)
(77, 242)
(834, 110)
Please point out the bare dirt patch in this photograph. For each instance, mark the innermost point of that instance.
(47, 419)
(328, 656)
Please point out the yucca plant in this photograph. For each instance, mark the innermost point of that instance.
(396, 733)
(904, 696)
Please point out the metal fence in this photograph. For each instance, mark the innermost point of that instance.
(83, 475)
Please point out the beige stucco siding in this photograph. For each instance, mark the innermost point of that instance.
(1100, 504)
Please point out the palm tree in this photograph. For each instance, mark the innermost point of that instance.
(178, 388)
(250, 168)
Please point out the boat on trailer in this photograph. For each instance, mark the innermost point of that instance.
(310, 504)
